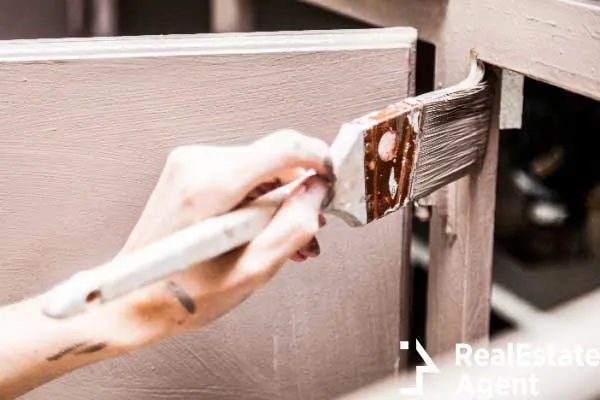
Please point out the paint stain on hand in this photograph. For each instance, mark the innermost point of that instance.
(64, 352)
(78, 348)
(184, 299)
(92, 349)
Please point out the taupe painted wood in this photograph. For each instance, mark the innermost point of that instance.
(561, 329)
(461, 238)
(105, 21)
(33, 19)
(461, 243)
(29, 19)
(232, 15)
(76, 17)
(86, 128)
(425, 15)
(551, 40)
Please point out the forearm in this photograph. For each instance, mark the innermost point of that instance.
(35, 349)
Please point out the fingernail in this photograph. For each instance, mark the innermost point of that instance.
(255, 193)
(315, 191)
(329, 175)
(322, 221)
(268, 186)
(328, 197)
(313, 247)
(298, 257)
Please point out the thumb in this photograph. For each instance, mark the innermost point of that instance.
(292, 227)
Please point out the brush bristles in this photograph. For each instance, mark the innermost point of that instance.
(388, 158)
(454, 135)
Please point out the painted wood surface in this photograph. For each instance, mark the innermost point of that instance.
(105, 18)
(87, 125)
(143, 17)
(461, 233)
(461, 243)
(29, 19)
(560, 329)
(555, 41)
(232, 15)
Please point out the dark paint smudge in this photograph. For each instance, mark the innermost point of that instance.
(64, 352)
(92, 349)
(186, 301)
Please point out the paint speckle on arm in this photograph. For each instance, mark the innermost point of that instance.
(92, 349)
(184, 299)
(64, 352)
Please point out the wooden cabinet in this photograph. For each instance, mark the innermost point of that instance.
(87, 124)
(553, 41)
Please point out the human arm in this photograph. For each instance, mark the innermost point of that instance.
(197, 182)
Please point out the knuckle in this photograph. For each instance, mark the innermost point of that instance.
(305, 225)
(287, 134)
(296, 142)
(252, 273)
(189, 198)
(288, 139)
(177, 158)
(292, 145)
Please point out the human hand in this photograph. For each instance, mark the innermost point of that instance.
(199, 182)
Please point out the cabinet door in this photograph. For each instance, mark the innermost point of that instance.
(86, 125)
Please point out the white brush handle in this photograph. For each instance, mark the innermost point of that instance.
(195, 244)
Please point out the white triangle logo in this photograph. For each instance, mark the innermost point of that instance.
(428, 368)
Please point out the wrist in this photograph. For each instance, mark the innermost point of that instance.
(35, 349)
(140, 318)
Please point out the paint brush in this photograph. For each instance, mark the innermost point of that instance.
(382, 162)
(404, 152)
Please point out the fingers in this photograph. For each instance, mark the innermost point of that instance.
(284, 177)
(262, 189)
(294, 225)
(312, 248)
(208, 290)
(290, 175)
(284, 153)
(212, 180)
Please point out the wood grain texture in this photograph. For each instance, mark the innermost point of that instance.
(462, 225)
(561, 329)
(86, 128)
(555, 41)
(550, 40)
(461, 243)
(425, 15)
